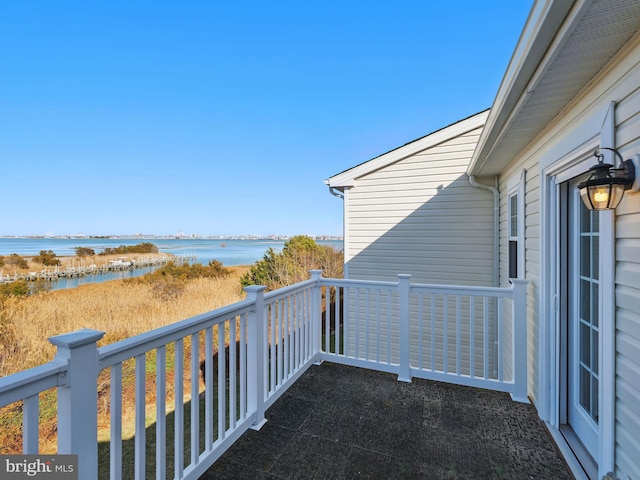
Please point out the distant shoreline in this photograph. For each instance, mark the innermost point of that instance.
(170, 237)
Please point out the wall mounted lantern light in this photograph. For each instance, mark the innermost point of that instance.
(605, 186)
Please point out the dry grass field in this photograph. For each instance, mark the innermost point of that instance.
(119, 308)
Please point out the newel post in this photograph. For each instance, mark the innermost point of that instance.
(316, 314)
(520, 388)
(78, 398)
(403, 293)
(255, 355)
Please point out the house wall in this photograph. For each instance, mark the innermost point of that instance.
(576, 125)
(421, 216)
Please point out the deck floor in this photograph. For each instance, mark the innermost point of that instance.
(340, 422)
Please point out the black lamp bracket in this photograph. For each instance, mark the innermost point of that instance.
(621, 167)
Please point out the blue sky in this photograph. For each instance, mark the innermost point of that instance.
(210, 118)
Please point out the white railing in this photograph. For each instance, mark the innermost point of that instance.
(475, 336)
(214, 375)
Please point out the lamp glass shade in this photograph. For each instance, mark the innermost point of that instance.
(602, 197)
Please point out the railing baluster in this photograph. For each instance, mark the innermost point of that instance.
(291, 337)
(389, 346)
(458, 333)
(299, 341)
(273, 314)
(472, 335)
(115, 441)
(140, 423)
(420, 323)
(233, 376)
(195, 397)
(161, 407)
(378, 332)
(243, 366)
(178, 439)
(348, 295)
(280, 321)
(222, 384)
(485, 341)
(338, 319)
(367, 298)
(30, 415)
(433, 332)
(358, 324)
(500, 339)
(209, 389)
(327, 318)
(445, 320)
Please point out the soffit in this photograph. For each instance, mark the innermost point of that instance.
(598, 35)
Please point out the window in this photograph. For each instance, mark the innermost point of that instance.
(515, 226)
(513, 236)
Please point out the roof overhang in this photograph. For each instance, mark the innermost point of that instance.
(348, 177)
(562, 47)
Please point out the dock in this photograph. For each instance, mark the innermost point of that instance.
(55, 273)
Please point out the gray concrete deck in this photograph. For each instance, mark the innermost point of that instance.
(341, 422)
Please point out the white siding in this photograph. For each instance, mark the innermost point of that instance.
(421, 216)
(620, 83)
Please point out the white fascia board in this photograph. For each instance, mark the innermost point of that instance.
(545, 31)
(348, 178)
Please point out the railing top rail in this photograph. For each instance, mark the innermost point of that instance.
(422, 287)
(288, 290)
(462, 290)
(30, 382)
(115, 353)
(346, 282)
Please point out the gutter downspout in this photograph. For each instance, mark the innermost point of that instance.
(496, 253)
(496, 224)
(334, 192)
(340, 194)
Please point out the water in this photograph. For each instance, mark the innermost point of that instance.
(228, 251)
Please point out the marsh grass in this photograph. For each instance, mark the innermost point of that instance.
(119, 309)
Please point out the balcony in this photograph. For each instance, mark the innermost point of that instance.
(192, 403)
(340, 422)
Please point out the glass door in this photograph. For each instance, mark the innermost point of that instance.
(583, 322)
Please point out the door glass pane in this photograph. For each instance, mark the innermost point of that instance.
(585, 259)
(585, 345)
(587, 326)
(594, 304)
(595, 248)
(585, 389)
(585, 300)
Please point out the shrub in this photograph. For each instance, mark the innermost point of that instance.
(14, 289)
(47, 257)
(84, 251)
(299, 255)
(145, 247)
(168, 281)
(17, 260)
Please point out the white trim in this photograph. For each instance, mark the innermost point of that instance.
(554, 172)
(516, 186)
(346, 238)
(607, 362)
(348, 177)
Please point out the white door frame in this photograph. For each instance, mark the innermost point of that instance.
(554, 171)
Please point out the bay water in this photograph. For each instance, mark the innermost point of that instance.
(230, 252)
